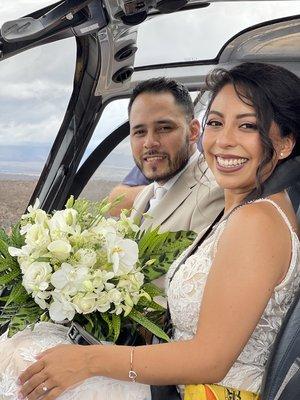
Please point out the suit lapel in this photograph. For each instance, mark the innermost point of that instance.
(181, 189)
(143, 201)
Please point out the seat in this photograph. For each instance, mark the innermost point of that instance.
(282, 375)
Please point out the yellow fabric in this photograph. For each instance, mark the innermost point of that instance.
(216, 392)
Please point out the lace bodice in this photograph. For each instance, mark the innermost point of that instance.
(185, 293)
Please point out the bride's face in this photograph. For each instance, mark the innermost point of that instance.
(232, 143)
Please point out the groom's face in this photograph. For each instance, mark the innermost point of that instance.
(162, 139)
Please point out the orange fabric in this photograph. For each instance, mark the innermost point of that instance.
(217, 392)
(209, 394)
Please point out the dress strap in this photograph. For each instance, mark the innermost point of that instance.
(281, 212)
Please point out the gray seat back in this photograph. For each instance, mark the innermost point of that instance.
(282, 375)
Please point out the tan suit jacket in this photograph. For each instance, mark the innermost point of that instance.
(192, 203)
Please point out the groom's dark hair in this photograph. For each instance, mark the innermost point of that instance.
(164, 85)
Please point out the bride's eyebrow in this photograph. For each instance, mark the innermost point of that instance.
(239, 116)
(216, 112)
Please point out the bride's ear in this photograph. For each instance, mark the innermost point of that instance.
(286, 146)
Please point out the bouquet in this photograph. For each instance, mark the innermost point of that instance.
(78, 265)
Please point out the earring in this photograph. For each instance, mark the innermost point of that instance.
(281, 155)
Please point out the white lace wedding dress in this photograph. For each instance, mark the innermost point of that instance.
(184, 294)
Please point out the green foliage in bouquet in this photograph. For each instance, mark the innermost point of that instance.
(79, 265)
(157, 250)
(17, 308)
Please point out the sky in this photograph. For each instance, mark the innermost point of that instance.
(35, 86)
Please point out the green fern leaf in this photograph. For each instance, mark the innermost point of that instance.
(4, 249)
(106, 318)
(146, 323)
(18, 295)
(17, 239)
(9, 278)
(153, 290)
(8, 265)
(164, 249)
(27, 314)
(116, 323)
(5, 237)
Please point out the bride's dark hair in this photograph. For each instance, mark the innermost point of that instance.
(273, 92)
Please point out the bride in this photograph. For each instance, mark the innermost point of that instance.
(227, 300)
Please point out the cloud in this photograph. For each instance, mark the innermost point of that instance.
(36, 85)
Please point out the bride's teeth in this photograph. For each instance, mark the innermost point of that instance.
(231, 162)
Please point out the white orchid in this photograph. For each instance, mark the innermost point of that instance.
(131, 282)
(100, 280)
(61, 309)
(103, 302)
(69, 279)
(123, 254)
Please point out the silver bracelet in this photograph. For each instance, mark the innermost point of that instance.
(132, 374)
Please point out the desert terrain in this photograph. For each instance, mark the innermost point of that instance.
(15, 193)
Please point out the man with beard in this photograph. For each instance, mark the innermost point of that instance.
(163, 136)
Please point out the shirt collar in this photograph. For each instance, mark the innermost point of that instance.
(171, 181)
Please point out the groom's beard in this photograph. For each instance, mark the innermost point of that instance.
(169, 167)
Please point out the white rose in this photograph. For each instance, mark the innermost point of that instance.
(37, 237)
(115, 296)
(86, 257)
(37, 277)
(60, 249)
(85, 303)
(123, 255)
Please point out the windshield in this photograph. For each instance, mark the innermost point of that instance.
(200, 34)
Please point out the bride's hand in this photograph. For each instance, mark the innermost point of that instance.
(56, 370)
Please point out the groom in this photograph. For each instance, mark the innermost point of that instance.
(163, 136)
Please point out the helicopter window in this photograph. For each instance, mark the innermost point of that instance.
(200, 34)
(35, 90)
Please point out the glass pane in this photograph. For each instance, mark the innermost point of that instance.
(119, 162)
(10, 10)
(200, 34)
(111, 172)
(35, 90)
(113, 115)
